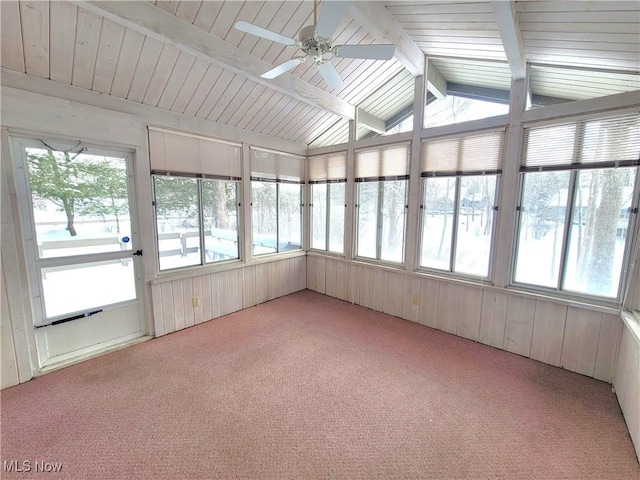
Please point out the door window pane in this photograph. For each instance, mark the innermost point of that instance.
(319, 216)
(475, 224)
(178, 222)
(437, 222)
(541, 228)
(367, 219)
(220, 220)
(66, 289)
(336, 215)
(598, 231)
(264, 217)
(393, 215)
(80, 202)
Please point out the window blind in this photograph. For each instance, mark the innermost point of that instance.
(474, 154)
(185, 154)
(582, 143)
(389, 162)
(328, 168)
(276, 166)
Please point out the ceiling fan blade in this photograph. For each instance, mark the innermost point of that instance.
(280, 69)
(264, 33)
(330, 75)
(330, 16)
(371, 52)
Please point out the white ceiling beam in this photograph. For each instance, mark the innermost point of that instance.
(379, 22)
(154, 22)
(372, 123)
(436, 83)
(506, 16)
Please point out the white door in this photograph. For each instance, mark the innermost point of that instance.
(81, 246)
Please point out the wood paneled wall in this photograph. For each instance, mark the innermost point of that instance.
(223, 292)
(626, 378)
(577, 339)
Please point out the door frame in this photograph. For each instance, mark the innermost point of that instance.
(17, 143)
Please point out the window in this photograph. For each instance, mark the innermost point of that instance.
(195, 182)
(382, 175)
(328, 176)
(459, 184)
(577, 195)
(276, 201)
(454, 109)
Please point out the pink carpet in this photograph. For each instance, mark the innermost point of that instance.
(307, 387)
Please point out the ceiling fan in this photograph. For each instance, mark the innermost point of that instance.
(315, 41)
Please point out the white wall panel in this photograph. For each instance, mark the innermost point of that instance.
(580, 345)
(610, 331)
(379, 289)
(394, 294)
(469, 310)
(411, 298)
(448, 301)
(548, 332)
(493, 318)
(331, 277)
(320, 285)
(626, 380)
(365, 284)
(249, 287)
(519, 326)
(429, 299)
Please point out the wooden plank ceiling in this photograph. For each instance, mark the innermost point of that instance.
(78, 46)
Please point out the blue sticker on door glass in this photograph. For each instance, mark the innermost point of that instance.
(125, 239)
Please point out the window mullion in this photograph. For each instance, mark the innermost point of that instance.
(201, 222)
(277, 217)
(454, 224)
(379, 220)
(327, 219)
(568, 221)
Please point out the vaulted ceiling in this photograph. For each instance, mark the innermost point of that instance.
(187, 57)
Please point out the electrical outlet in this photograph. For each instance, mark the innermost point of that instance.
(195, 301)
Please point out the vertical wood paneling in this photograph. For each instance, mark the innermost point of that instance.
(156, 302)
(178, 304)
(379, 290)
(331, 277)
(249, 287)
(273, 280)
(223, 292)
(311, 273)
(161, 74)
(12, 55)
(84, 58)
(353, 294)
(429, 299)
(493, 318)
(365, 284)
(627, 383)
(262, 278)
(411, 298)
(127, 61)
(207, 304)
(610, 329)
(9, 364)
(168, 313)
(519, 326)
(187, 301)
(448, 304)
(198, 311)
(548, 332)
(62, 40)
(35, 37)
(580, 345)
(302, 267)
(176, 80)
(320, 275)
(294, 274)
(111, 36)
(239, 287)
(215, 295)
(343, 280)
(285, 278)
(394, 294)
(144, 71)
(469, 310)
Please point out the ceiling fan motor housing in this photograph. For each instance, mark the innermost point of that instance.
(313, 45)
